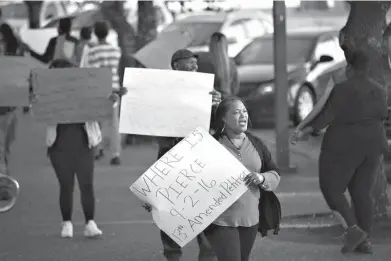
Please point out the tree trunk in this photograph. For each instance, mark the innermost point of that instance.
(147, 23)
(128, 40)
(364, 32)
(33, 9)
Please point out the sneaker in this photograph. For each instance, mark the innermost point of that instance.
(365, 247)
(67, 229)
(115, 161)
(92, 230)
(354, 236)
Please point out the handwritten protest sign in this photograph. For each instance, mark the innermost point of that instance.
(165, 102)
(72, 95)
(191, 185)
(151, 55)
(14, 84)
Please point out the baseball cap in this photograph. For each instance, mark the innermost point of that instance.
(182, 54)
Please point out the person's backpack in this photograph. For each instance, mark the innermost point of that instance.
(65, 49)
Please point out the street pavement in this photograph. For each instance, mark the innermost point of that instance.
(30, 232)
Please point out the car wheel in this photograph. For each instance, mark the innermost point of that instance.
(305, 102)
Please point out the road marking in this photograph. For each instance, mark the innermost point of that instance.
(150, 222)
(299, 194)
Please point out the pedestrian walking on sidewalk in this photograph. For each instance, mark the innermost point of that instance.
(352, 148)
(71, 152)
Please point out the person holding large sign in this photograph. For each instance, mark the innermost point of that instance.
(183, 60)
(233, 233)
(71, 152)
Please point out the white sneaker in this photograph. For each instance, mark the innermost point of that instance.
(67, 229)
(92, 230)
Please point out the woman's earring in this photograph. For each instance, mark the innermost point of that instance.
(222, 130)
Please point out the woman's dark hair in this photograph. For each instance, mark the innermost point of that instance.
(11, 42)
(220, 113)
(218, 47)
(61, 63)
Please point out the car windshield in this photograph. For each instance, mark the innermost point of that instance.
(261, 51)
(201, 31)
(14, 11)
(80, 20)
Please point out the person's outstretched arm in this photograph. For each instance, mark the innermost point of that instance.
(49, 52)
(317, 109)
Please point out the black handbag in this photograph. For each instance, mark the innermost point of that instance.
(269, 213)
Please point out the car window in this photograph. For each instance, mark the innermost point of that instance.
(235, 32)
(14, 11)
(254, 28)
(51, 11)
(160, 18)
(261, 51)
(200, 31)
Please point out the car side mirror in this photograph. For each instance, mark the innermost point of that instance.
(325, 59)
(322, 59)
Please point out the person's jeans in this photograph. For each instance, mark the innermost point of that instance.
(231, 243)
(111, 135)
(173, 252)
(358, 175)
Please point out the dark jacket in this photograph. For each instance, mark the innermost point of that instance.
(354, 114)
(205, 65)
(269, 206)
(49, 52)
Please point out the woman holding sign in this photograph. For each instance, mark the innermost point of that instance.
(71, 152)
(232, 234)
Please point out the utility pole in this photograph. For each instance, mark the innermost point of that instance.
(281, 89)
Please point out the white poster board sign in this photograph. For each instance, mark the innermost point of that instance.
(191, 185)
(165, 102)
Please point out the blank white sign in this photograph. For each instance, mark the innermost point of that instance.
(165, 102)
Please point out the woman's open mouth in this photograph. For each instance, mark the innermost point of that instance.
(243, 122)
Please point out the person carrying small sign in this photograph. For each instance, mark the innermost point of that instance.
(71, 152)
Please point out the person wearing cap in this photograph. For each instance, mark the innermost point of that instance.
(183, 60)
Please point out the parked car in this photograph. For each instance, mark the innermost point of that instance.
(313, 55)
(38, 39)
(16, 14)
(240, 28)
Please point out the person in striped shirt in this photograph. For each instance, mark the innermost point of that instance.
(104, 55)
